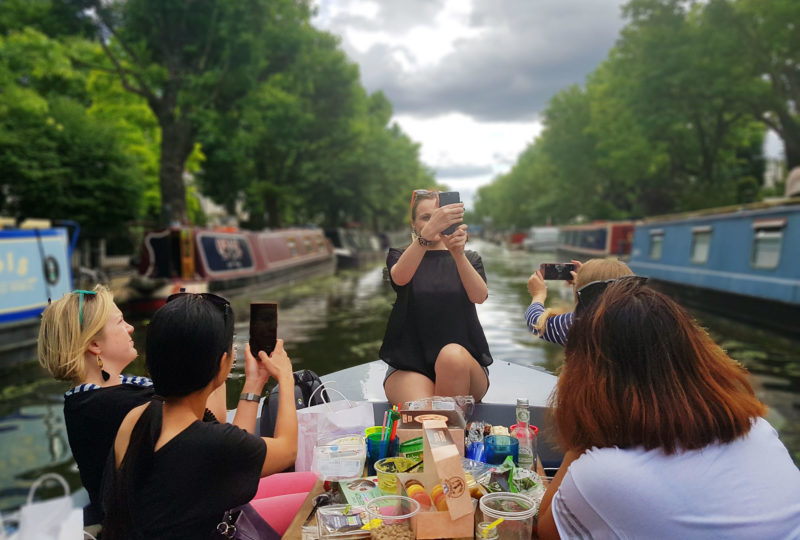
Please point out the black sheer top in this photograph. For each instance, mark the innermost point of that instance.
(431, 311)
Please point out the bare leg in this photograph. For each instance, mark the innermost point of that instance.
(459, 374)
(402, 386)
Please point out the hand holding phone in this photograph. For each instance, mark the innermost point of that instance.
(263, 327)
(445, 198)
(557, 271)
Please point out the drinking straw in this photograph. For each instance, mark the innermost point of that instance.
(491, 526)
(394, 429)
(383, 427)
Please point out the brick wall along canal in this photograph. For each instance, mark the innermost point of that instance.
(335, 322)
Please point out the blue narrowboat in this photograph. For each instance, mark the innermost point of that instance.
(743, 261)
(34, 266)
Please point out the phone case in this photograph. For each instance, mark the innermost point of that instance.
(445, 198)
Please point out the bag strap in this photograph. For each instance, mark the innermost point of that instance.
(328, 389)
(42, 479)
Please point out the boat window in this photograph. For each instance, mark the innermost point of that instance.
(292, 246)
(701, 241)
(308, 244)
(656, 244)
(767, 247)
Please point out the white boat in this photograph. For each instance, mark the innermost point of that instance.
(507, 382)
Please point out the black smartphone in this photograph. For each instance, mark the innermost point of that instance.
(445, 198)
(557, 271)
(263, 327)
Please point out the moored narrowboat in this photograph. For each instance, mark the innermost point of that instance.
(204, 260)
(34, 267)
(743, 261)
(593, 240)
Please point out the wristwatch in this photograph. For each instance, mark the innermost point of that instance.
(423, 242)
(250, 396)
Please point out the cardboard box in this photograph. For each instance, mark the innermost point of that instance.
(410, 425)
(442, 466)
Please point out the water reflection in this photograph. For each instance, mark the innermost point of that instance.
(335, 322)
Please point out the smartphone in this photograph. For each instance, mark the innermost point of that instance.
(263, 327)
(557, 271)
(445, 198)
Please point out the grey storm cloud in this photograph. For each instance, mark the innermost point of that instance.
(527, 51)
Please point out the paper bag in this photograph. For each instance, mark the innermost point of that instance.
(342, 417)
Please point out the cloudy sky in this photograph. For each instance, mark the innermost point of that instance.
(468, 78)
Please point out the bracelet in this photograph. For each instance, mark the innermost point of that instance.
(423, 242)
(250, 396)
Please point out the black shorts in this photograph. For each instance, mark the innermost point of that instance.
(390, 370)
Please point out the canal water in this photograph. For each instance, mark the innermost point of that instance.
(334, 322)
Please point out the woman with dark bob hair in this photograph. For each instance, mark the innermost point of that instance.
(172, 475)
(663, 434)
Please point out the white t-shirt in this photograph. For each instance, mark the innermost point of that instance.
(749, 489)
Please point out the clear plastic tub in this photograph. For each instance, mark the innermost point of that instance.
(339, 458)
(516, 510)
(392, 517)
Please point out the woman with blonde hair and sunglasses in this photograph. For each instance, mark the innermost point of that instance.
(434, 343)
(553, 325)
(84, 339)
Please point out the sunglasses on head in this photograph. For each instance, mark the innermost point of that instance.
(222, 304)
(591, 291)
(421, 192)
(81, 293)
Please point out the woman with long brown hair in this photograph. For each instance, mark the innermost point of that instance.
(663, 433)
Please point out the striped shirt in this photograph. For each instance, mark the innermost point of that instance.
(123, 379)
(556, 328)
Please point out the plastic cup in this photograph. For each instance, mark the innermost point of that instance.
(374, 429)
(517, 511)
(392, 516)
(379, 449)
(499, 447)
(387, 470)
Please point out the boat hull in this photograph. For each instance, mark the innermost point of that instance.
(225, 262)
(742, 262)
(34, 267)
(777, 316)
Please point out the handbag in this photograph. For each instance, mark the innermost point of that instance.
(245, 523)
(342, 417)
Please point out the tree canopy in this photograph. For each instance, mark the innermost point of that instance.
(117, 103)
(674, 119)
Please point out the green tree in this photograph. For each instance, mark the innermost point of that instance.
(56, 160)
(189, 59)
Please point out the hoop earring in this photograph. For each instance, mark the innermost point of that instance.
(103, 372)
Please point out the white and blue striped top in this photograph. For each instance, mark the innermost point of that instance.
(123, 379)
(556, 328)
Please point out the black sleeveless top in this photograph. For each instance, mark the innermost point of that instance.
(431, 311)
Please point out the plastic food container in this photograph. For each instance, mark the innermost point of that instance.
(339, 458)
(392, 517)
(387, 470)
(516, 510)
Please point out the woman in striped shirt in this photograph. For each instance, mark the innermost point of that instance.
(553, 325)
